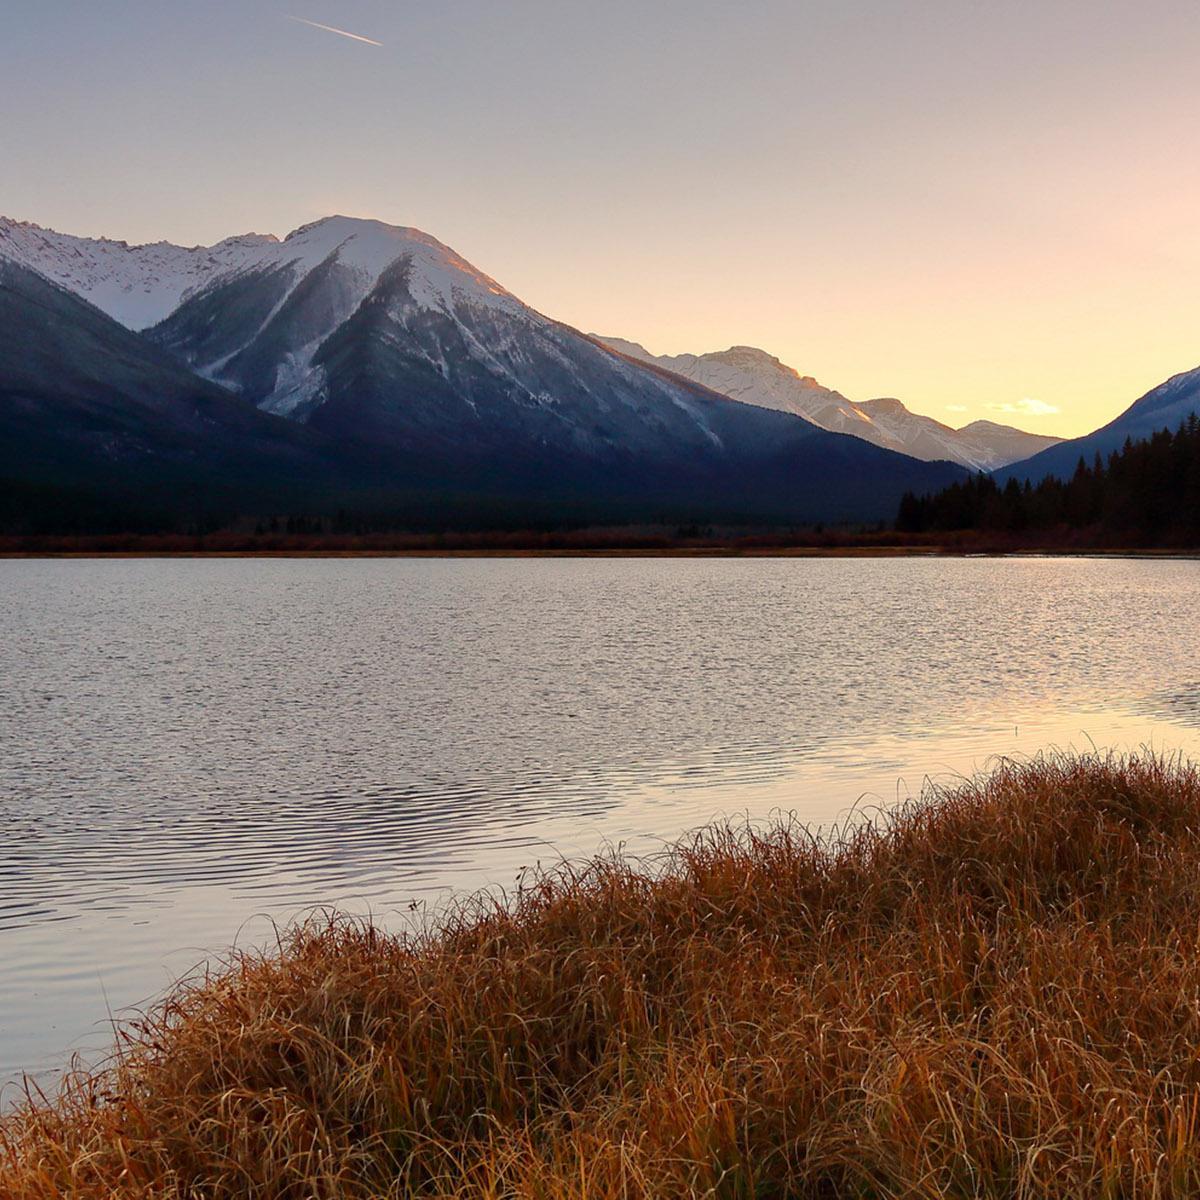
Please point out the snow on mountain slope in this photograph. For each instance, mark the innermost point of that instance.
(753, 376)
(367, 248)
(139, 286)
(135, 285)
(1006, 444)
(981, 446)
(260, 330)
(339, 257)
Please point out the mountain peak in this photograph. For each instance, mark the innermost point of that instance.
(340, 227)
(247, 239)
(140, 285)
(13, 223)
(13, 226)
(985, 426)
(368, 247)
(624, 346)
(747, 354)
(885, 404)
(751, 358)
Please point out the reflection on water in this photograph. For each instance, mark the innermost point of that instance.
(1180, 704)
(186, 744)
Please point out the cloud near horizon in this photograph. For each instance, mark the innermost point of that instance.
(1026, 407)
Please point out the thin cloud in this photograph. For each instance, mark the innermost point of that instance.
(1028, 407)
(959, 408)
(357, 37)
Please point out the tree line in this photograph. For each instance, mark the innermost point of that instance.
(1149, 489)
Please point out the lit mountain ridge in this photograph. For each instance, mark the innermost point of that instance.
(753, 376)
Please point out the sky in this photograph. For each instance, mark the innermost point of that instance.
(989, 210)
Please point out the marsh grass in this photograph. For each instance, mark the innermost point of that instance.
(994, 992)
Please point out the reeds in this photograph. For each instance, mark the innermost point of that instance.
(994, 992)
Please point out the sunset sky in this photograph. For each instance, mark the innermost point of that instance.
(985, 209)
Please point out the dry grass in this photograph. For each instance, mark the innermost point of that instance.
(995, 994)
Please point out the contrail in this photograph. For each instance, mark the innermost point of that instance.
(340, 32)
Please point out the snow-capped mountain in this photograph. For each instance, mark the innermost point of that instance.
(258, 329)
(1164, 407)
(135, 285)
(382, 339)
(755, 377)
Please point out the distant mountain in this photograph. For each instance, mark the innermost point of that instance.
(388, 351)
(755, 377)
(1164, 407)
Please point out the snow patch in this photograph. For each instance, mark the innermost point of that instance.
(135, 285)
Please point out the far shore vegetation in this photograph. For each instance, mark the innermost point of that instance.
(1148, 493)
(1144, 497)
(991, 992)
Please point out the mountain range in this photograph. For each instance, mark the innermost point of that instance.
(362, 365)
(756, 377)
(359, 363)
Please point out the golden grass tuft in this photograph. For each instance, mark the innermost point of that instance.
(993, 993)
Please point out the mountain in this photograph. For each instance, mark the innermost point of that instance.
(84, 399)
(135, 285)
(1164, 407)
(386, 349)
(379, 333)
(756, 377)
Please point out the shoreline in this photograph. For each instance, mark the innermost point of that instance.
(623, 552)
(600, 541)
(998, 974)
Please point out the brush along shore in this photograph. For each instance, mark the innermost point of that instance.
(993, 992)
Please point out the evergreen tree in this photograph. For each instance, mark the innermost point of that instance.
(1148, 490)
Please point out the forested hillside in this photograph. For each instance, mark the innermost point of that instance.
(1148, 489)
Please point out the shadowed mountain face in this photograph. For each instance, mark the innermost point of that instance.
(387, 364)
(84, 398)
(758, 378)
(1164, 407)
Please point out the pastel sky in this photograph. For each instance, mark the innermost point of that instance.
(986, 209)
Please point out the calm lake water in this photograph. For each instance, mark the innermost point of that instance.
(191, 750)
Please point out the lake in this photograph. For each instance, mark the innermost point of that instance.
(194, 750)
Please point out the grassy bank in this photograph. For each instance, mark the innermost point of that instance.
(996, 994)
